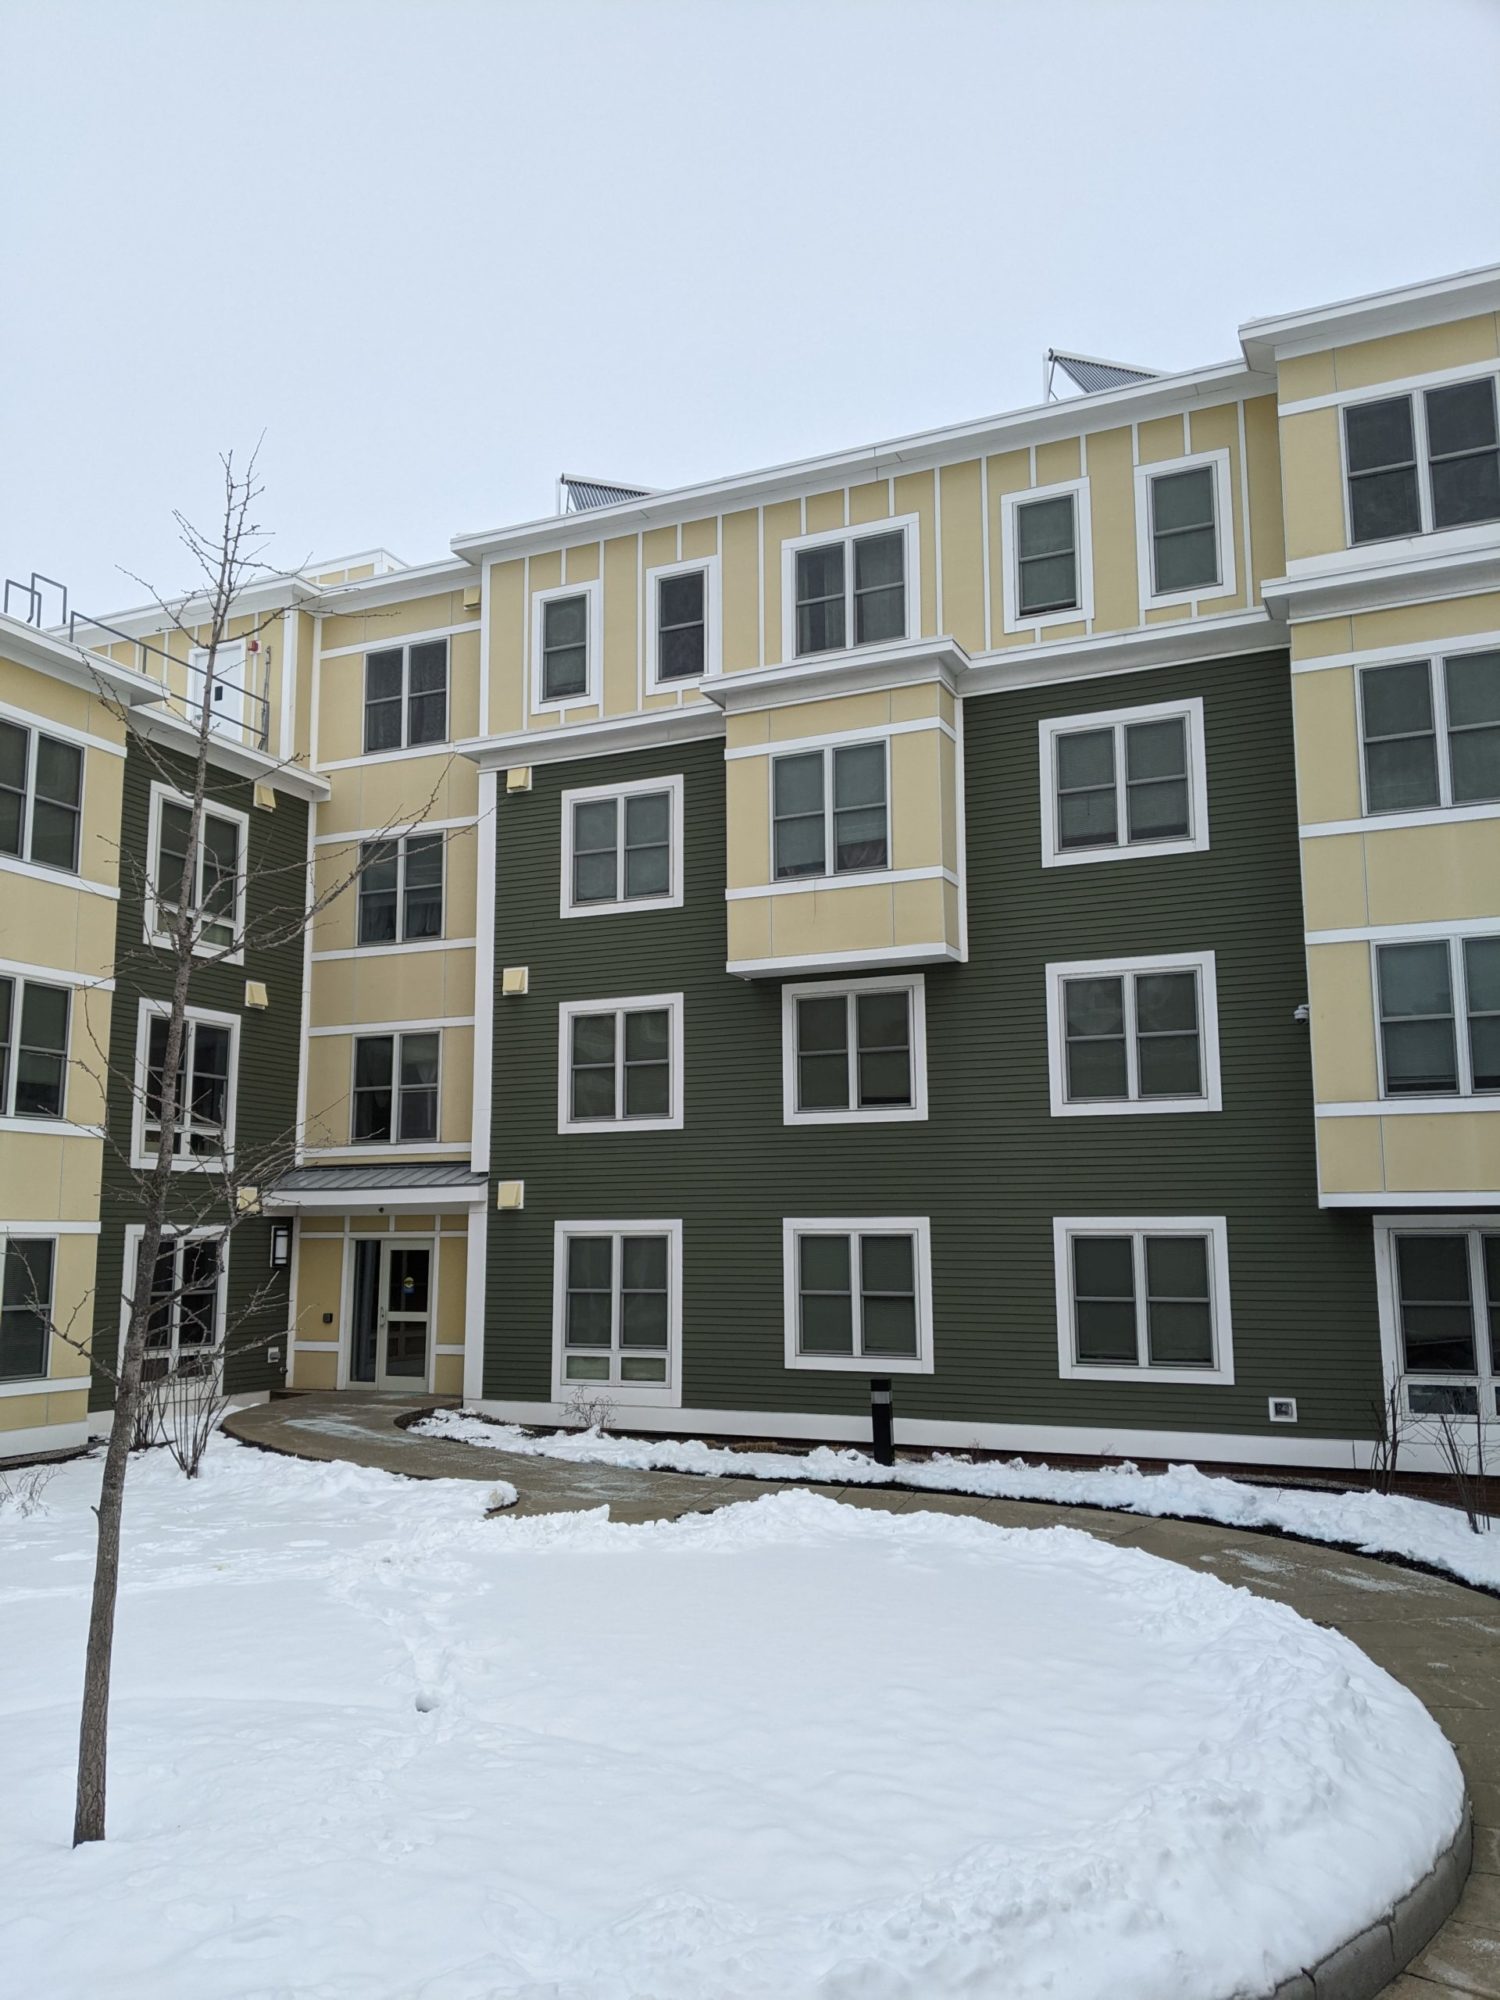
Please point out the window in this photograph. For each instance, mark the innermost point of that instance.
(215, 875)
(1124, 782)
(396, 1089)
(406, 696)
(620, 1064)
(41, 797)
(858, 1294)
(1047, 556)
(616, 1313)
(33, 1048)
(1143, 1296)
(1418, 463)
(682, 631)
(1133, 1034)
(565, 639)
(184, 1334)
(1184, 509)
(857, 588)
(1439, 1005)
(1431, 733)
(401, 889)
(854, 1052)
(829, 811)
(25, 1306)
(622, 848)
(206, 1087)
(1447, 1293)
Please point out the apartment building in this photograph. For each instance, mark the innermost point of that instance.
(1013, 911)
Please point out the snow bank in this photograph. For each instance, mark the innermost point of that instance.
(368, 1743)
(1378, 1524)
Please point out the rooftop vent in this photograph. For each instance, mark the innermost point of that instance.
(1091, 375)
(578, 495)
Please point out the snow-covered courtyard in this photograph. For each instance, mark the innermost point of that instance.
(367, 1742)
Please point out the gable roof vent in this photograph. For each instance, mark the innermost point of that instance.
(1091, 375)
(577, 494)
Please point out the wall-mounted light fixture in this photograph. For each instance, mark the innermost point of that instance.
(281, 1245)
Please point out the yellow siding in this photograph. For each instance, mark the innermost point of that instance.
(871, 502)
(395, 794)
(1312, 483)
(1327, 745)
(963, 555)
(1431, 873)
(507, 587)
(1263, 465)
(1161, 437)
(1343, 1023)
(1350, 1160)
(1458, 1151)
(1117, 604)
(387, 624)
(581, 563)
(1422, 352)
(1217, 428)
(392, 986)
(1333, 883)
(1057, 461)
(825, 511)
(1305, 375)
(700, 538)
(1424, 624)
(622, 660)
(740, 591)
(915, 494)
(782, 522)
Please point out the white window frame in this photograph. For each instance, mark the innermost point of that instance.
(919, 1228)
(915, 987)
(660, 1395)
(833, 876)
(1437, 685)
(68, 739)
(1138, 1227)
(12, 1120)
(630, 1003)
(908, 525)
(1415, 392)
(1145, 540)
(1455, 940)
(593, 591)
(38, 1232)
(633, 905)
(713, 637)
(1060, 971)
(395, 1036)
(143, 1148)
(134, 1234)
(1015, 620)
(1189, 709)
(1388, 1296)
(400, 940)
(158, 923)
(404, 646)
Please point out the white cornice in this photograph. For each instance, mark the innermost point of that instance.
(861, 670)
(592, 739)
(146, 621)
(159, 725)
(450, 573)
(1176, 644)
(1402, 310)
(63, 661)
(1338, 586)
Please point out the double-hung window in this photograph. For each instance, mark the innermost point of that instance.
(565, 639)
(1048, 576)
(33, 1048)
(41, 797)
(1446, 1284)
(850, 591)
(1439, 1009)
(855, 1051)
(620, 1064)
(830, 811)
(1183, 517)
(406, 696)
(1421, 462)
(622, 847)
(1431, 733)
(401, 889)
(616, 1315)
(858, 1294)
(682, 638)
(1143, 1298)
(185, 1331)
(396, 1089)
(1124, 782)
(1133, 1034)
(214, 874)
(205, 1092)
(26, 1280)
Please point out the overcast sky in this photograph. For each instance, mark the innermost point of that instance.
(441, 251)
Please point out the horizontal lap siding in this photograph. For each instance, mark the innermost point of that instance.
(990, 1166)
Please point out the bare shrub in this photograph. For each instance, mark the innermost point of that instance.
(589, 1410)
(21, 1491)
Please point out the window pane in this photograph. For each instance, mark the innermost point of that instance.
(1187, 561)
(1490, 1246)
(859, 775)
(1086, 788)
(595, 877)
(594, 824)
(799, 847)
(820, 598)
(859, 839)
(879, 588)
(1401, 775)
(827, 1307)
(1437, 1317)
(680, 647)
(1183, 500)
(1383, 505)
(647, 1069)
(419, 1061)
(822, 1054)
(427, 667)
(859, 806)
(1482, 978)
(1086, 758)
(564, 648)
(423, 913)
(7, 1006)
(1474, 727)
(1186, 545)
(824, 1263)
(889, 1325)
(1094, 1019)
(373, 1056)
(383, 675)
(1048, 583)
(799, 784)
(1104, 1300)
(383, 700)
(1416, 1005)
(1045, 527)
(680, 598)
(823, 1025)
(1397, 700)
(1379, 434)
(1466, 490)
(1045, 545)
(647, 819)
(884, 1031)
(1460, 417)
(25, 1307)
(887, 1263)
(647, 849)
(1156, 749)
(1415, 979)
(55, 814)
(565, 621)
(589, 1262)
(14, 749)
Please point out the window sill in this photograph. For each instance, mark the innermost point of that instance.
(1138, 1107)
(1082, 1371)
(862, 1364)
(572, 1127)
(1139, 850)
(632, 907)
(900, 1114)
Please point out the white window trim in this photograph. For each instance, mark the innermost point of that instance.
(1466, 1096)
(134, 1233)
(911, 983)
(593, 591)
(22, 863)
(401, 941)
(1388, 1299)
(404, 747)
(833, 876)
(1437, 685)
(661, 1395)
(40, 1232)
(375, 1033)
(1015, 621)
(1118, 719)
(230, 674)
(919, 1229)
(1060, 971)
(632, 905)
(1145, 475)
(1137, 1227)
(158, 926)
(1415, 392)
(12, 1120)
(143, 1149)
(713, 636)
(909, 526)
(630, 1003)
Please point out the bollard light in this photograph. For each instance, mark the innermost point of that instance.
(882, 1434)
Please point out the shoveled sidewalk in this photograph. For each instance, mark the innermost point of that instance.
(1440, 1638)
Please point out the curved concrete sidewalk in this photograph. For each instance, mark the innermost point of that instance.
(1441, 1639)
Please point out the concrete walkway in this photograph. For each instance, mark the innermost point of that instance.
(1441, 1639)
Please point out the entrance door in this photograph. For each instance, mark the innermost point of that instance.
(401, 1328)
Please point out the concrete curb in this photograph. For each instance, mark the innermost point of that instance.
(1363, 1967)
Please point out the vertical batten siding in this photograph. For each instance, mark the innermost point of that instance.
(989, 1166)
(266, 1106)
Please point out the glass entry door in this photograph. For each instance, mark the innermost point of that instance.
(391, 1307)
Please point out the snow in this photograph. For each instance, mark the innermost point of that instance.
(369, 1743)
(1378, 1524)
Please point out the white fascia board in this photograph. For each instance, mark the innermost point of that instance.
(1401, 310)
(447, 573)
(1180, 642)
(371, 1200)
(592, 739)
(1222, 382)
(60, 658)
(161, 726)
(1334, 585)
(148, 621)
(857, 670)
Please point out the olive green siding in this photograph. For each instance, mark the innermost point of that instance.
(258, 1304)
(990, 1166)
